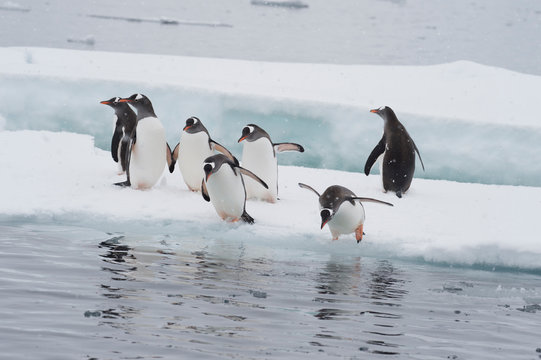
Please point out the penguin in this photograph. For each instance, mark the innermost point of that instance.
(342, 210)
(259, 155)
(223, 185)
(125, 121)
(398, 149)
(194, 147)
(148, 150)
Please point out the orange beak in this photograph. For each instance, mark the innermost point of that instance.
(105, 102)
(375, 111)
(124, 100)
(242, 138)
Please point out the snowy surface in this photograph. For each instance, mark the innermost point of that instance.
(63, 177)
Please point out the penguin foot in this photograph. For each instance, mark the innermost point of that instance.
(359, 233)
(399, 194)
(123, 183)
(247, 218)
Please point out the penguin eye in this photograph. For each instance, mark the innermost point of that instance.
(325, 213)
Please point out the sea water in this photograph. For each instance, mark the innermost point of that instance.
(115, 291)
(72, 292)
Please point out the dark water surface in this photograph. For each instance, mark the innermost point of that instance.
(75, 293)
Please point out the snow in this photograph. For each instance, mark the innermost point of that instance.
(62, 176)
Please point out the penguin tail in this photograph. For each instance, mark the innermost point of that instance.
(247, 218)
(123, 183)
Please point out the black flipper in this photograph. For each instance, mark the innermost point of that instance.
(220, 148)
(174, 156)
(399, 194)
(281, 147)
(307, 187)
(253, 176)
(378, 150)
(204, 191)
(247, 218)
(114, 143)
(417, 150)
(125, 152)
(364, 199)
(171, 161)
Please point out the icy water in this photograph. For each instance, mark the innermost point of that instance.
(71, 292)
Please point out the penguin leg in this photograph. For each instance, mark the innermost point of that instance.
(359, 233)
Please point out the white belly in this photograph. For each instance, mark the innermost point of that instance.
(347, 218)
(258, 157)
(148, 156)
(193, 150)
(226, 193)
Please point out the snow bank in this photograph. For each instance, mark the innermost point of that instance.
(63, 177)
(462, 90)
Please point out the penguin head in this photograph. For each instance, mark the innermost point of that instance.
(141, 103)
(385, 112)
(252, 132)
(112, 102)
(194, 125)
(213, 163)
(208, 168)
(326, 216)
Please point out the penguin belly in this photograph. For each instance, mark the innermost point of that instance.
(148, 156)
(347, 219)
(227, 194)
(193, 150)
(258, 157)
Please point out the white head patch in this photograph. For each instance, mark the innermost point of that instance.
(138, 97)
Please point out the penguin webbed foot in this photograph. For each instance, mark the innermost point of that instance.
(399, 194)
(123, 183)
(247, 218)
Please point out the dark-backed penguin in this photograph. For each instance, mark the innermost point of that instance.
(398, 149)
(223, 186)
(194, 147)
(259, 155)
(149, 151)
(125, 121)
(342, 210)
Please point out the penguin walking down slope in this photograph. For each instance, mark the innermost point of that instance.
(194, 147)
(259, 155)
(342, 210)
(398, 149)
(223, 186)
(148, 151)
(125, 121)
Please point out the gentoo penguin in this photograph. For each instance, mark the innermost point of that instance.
(398, 149)
(259, 155)
(342, 210)
(223, 185)
(149, 152)
(194, 147)
(125, 121)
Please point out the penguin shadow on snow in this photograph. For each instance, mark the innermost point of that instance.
(396, 151)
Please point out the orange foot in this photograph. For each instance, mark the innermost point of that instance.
(359, 233)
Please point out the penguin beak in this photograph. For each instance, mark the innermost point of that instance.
(375, 111)
(105, 102)
(125, 100)
(187, 127)
(242, 138)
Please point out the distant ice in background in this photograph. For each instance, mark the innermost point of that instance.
(503, 33)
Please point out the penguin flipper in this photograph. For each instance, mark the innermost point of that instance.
(253, 176)
(418, 153)
(364, 199)
(247, 218)
(115, 141)
(125, 151)
(307, 187)
(204, 191)
(376, 152)
(281, 147)
(220, 148)
(171, 160)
